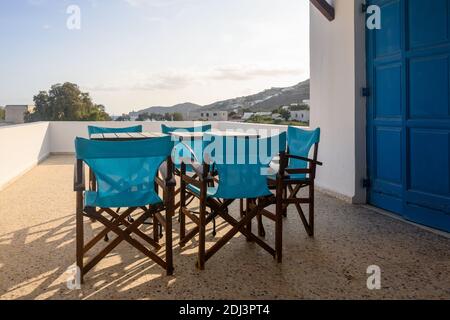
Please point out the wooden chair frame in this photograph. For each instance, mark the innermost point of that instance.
(219, 208)
(122, 226)
(290, 187)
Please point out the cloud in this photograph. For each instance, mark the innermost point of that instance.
(166, 81)
(241, 73)
(180, 79)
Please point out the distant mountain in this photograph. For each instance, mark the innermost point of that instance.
(266, 100)
(182, 107)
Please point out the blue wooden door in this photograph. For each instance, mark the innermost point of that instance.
(408, 70)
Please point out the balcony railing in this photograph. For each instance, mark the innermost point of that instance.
(24, 146)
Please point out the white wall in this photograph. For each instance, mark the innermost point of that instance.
(337, 74)
(21, 148)
(64, 133)
(265, 128)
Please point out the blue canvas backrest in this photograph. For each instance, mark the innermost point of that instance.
(242, 164)
(180, 149)
(168, 130)
(300, 143)
(124, 167)
(96, 130)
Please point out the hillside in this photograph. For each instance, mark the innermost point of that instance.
(266, 100)
(182, 107)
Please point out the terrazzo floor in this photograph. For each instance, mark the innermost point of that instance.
(37, 246)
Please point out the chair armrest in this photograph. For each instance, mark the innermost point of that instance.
(291, 156)
(196, 166)
(166, 181)
(79, 183)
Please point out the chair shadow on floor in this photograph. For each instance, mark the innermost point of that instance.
(35, 263)
(34, 260)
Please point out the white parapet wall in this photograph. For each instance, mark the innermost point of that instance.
(64, 133)
(21, 148)
(24, 146)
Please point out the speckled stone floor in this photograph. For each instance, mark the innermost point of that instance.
(37, 247)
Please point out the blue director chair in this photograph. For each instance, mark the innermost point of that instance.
(92, 130)
(126, 174)
(97, 130)
(242, 174)
(187, 148)
(297, 168)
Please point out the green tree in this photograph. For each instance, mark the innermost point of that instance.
(177, 116)
(123, 117)
(65, 102)
(2, 113)
(285, 114)
(300, 107)
(143, 117)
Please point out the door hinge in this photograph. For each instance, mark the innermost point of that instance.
(366, 183)
(364, 7)
(365, 92)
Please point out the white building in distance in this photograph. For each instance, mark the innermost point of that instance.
(206, 116)
(15, 114)
(301, 115)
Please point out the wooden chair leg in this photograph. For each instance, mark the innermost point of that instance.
(285, 196)
(155, 228)
(80, 236)
(261, 230)
(182, 227)
(181, 215)
(311, 210)
(249, 224)
(202, 232)
(279, 224)
(169, 250)
(170, 213)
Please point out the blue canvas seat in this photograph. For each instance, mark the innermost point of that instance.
(126, 172)
(97, 130)
(210, 192)
(240, 172)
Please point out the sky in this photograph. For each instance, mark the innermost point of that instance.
(132, 54)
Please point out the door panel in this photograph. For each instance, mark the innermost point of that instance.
(388, 39)
(429, 87)
(408, 69)
(389, 157)
(388, 93)
(428, 22)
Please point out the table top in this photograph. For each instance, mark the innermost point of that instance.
(127, 136)
(183, 135)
